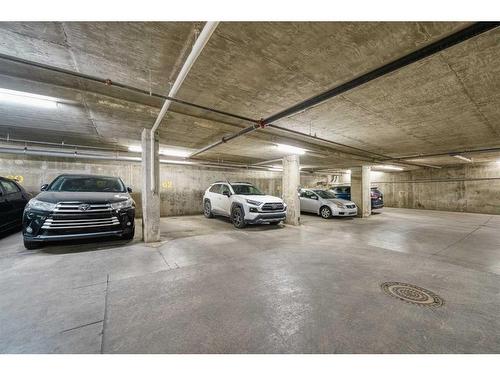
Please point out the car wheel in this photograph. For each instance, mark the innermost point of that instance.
(238, 218)
(325, 212)
(207, 210)
(30, 245)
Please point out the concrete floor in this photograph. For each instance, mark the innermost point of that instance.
(208, 288)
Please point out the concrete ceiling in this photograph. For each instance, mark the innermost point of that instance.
(446, 102)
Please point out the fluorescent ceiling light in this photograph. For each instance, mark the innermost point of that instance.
(274, 169)
(164, 151)
(135, 148)
(290, 149)
(175, 152)
(168, 161)
(388, 167)
(462, 158)
(26, 98)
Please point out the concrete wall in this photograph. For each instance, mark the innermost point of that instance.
(462, 188)
(182, 186)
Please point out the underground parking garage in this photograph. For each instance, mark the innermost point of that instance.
(234, 187)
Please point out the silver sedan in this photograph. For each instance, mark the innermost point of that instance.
(325, 204)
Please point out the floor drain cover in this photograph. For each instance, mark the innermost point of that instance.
(412, 294)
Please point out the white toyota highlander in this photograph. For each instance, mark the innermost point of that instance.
(243, 203)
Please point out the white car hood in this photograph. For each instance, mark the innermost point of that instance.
(338, 200)
(262, 198)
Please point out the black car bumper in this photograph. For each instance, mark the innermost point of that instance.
(41, 226)
(81, 236)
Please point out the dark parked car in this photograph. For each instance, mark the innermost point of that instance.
(77, 207)
(344, 192)
(13, 198)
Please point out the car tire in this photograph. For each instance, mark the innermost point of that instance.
(30, 245)
(207, 209)
(129, 236)
(325, 212)
(238, 217)
(274, 222)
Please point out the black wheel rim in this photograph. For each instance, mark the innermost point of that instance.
(237, 217)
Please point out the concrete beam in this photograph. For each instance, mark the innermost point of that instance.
(360, 190)
(150, 199)
(291, 183)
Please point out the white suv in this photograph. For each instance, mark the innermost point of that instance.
(243, 203)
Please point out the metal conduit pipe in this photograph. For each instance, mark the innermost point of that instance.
(108, 82)
(440, 45)
(449, 153)
(116, 157)
(198, 46)
(226, 139)
(426, 51)
(61, 144)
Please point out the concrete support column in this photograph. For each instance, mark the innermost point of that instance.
(150, 199)
(291, 183)
(360, 190)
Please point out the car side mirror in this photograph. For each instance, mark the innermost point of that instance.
(129, 189)
(227, 193)
(44, 187)
(314, 197)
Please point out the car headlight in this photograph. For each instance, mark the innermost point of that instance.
(340, 205)
(35, 204)
(123, 204)
(255, 203)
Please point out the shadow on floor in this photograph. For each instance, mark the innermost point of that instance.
(310, 214)
(249, 227)
(81, 246)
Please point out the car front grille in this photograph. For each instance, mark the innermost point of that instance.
(273, 207)
(55, 223)
(81, 217)
(78, 207)
(351, 206)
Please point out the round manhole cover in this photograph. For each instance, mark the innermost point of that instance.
(412, 294)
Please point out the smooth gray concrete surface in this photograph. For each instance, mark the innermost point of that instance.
(209, 288)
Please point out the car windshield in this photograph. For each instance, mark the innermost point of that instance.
(325, 194)
(87, 184)
(246, 190)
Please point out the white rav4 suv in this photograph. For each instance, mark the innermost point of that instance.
(243, 203)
